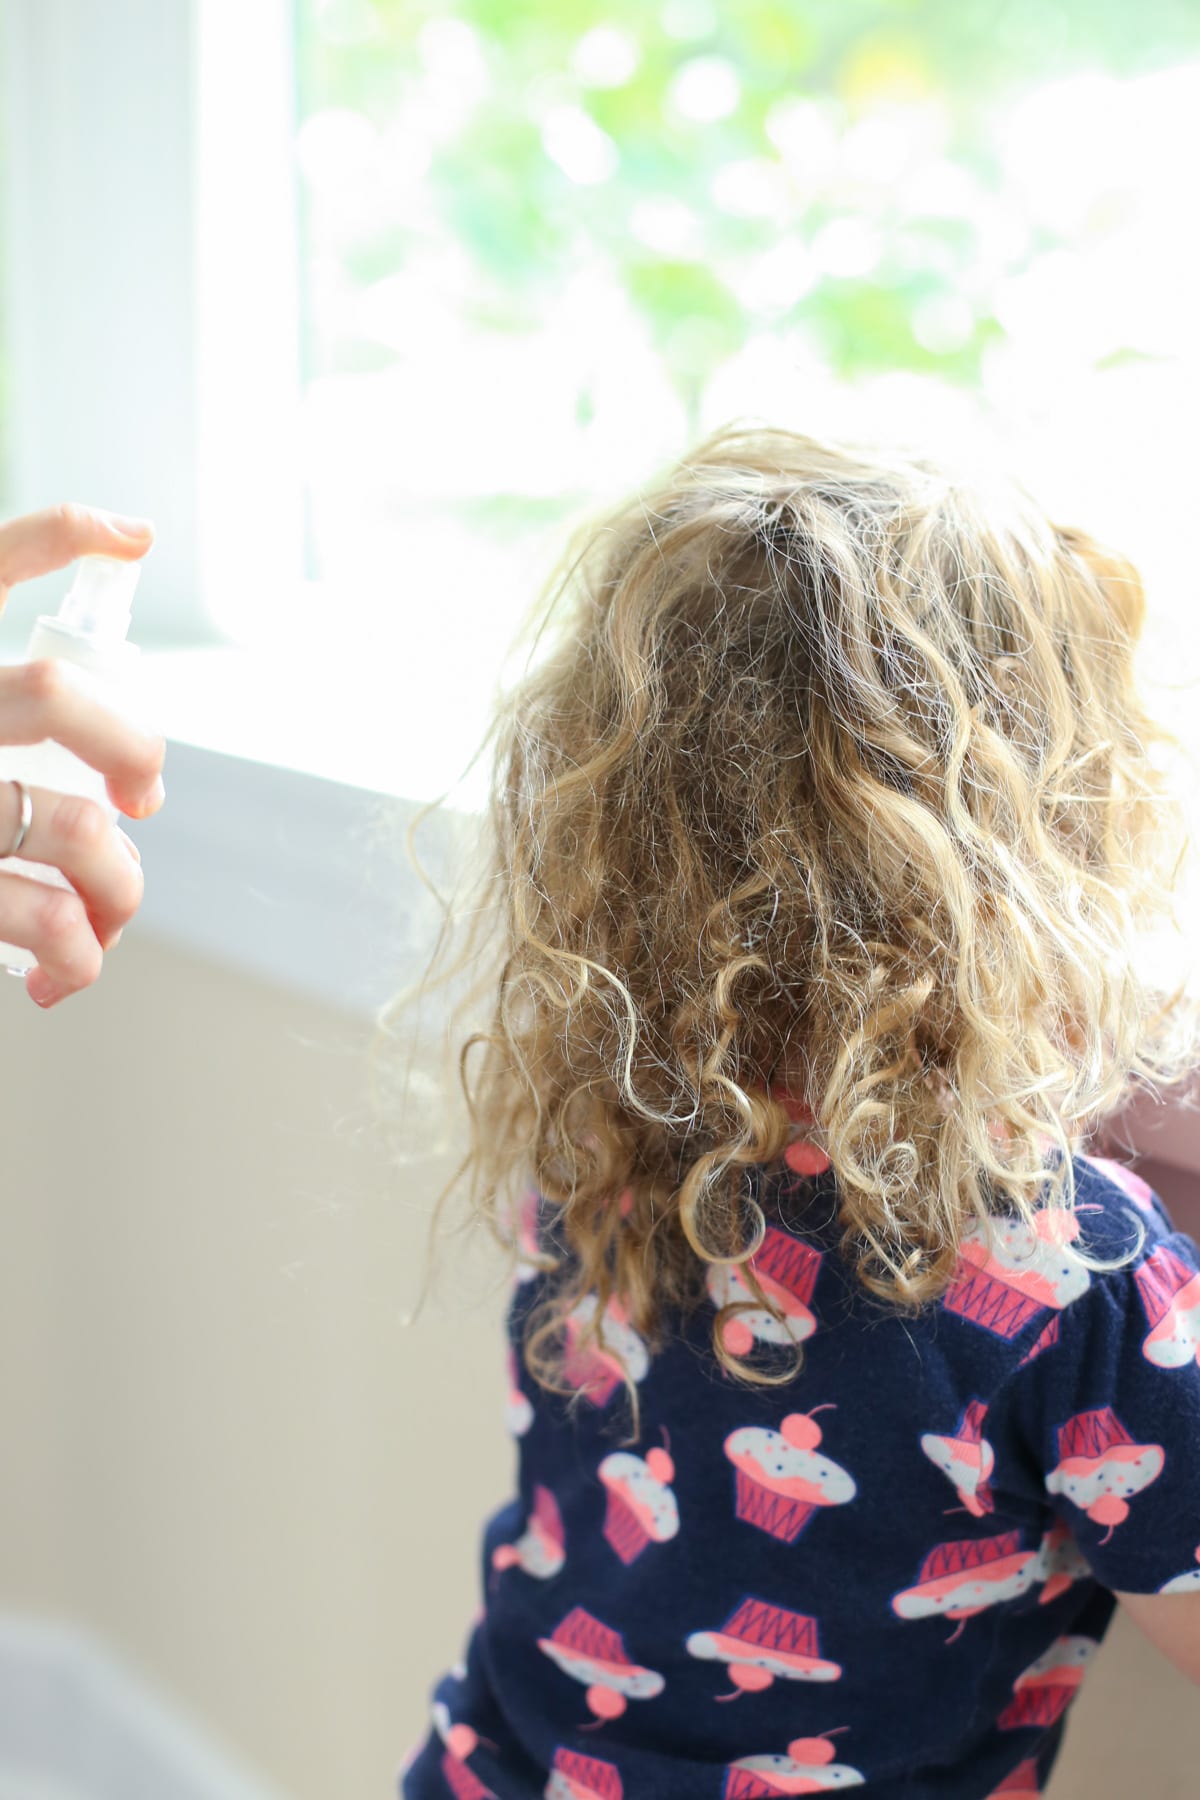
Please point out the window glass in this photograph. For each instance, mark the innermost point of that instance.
(545, 248)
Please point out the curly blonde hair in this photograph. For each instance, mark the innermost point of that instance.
(832, 781)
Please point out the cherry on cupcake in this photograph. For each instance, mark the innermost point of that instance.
(605, 1702)
(748, 1678)
(801, 1430)
(805, 1158)
(738, 1337)
(461, 1741)
(1109, 1510)
(814, 1750)
(659, 1463)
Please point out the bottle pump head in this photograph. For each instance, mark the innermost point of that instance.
(99, 603)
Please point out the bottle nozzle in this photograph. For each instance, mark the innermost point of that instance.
(100, 601)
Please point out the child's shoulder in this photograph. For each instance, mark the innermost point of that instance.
(1119, 1214)
(1157, 1286)
(1106, 1403)
(1079, 1268)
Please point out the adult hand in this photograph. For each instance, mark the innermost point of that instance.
(69, 932)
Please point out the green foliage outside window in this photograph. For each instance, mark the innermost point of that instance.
(912, 298)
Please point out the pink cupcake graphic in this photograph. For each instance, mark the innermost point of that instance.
(1045, 1340)
(802, 1156)
(518, 1413)
(1022, 1273)
(462, 1781)
(1043, 1693)
(594, 1654)
(1170, 1292)
(459, 1742)
(1138, 1191)
(530, 1257)
(1100, 1466)
(541, 1550)
(966, 1459)
(806, 1768)
(518, 1223)
(641, 1507)
(787, 1269)
(1187, 1583)
(1061, 1563)
(1022, 1784)
(958, 1580)
(574, 1776)
(781, 1480)
(797, 1110)
(760, 1643)
(589, 1366)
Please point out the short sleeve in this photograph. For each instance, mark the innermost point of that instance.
(1112, 1403)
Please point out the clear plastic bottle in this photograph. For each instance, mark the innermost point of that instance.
(88, 636)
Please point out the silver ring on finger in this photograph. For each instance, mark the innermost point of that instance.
(26, 819)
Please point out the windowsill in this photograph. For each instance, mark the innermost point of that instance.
(365, 735)
(280, 850)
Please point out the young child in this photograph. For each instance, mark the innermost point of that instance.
(850, 1394)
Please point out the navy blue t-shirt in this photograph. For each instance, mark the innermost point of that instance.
(890, 1573)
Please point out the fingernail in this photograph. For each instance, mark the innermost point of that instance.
(153, 800)
(42, 991)
(128, 843)
(129, 527)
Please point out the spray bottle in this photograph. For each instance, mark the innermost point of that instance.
(88, 636)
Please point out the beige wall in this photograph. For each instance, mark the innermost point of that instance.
(222, 1449)
(223, 1453)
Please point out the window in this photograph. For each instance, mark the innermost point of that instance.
(541, 253)
(365, 300)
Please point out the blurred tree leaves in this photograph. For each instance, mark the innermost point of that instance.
(526, 223)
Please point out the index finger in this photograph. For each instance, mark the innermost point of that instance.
(44, 541)
(49, 699)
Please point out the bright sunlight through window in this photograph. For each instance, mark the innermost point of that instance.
(538, 260)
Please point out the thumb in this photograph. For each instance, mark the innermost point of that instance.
(44, 541)
(129, 537)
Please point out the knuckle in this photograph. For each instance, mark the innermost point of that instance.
(59, 916)
(71, 523)
(41, 679)
(80, 822)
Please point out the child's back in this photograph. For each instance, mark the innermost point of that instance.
(838, 779)
(893, 1572)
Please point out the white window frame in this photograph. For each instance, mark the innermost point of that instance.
(146, 167)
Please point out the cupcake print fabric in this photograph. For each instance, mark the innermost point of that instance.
(895, 1566)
